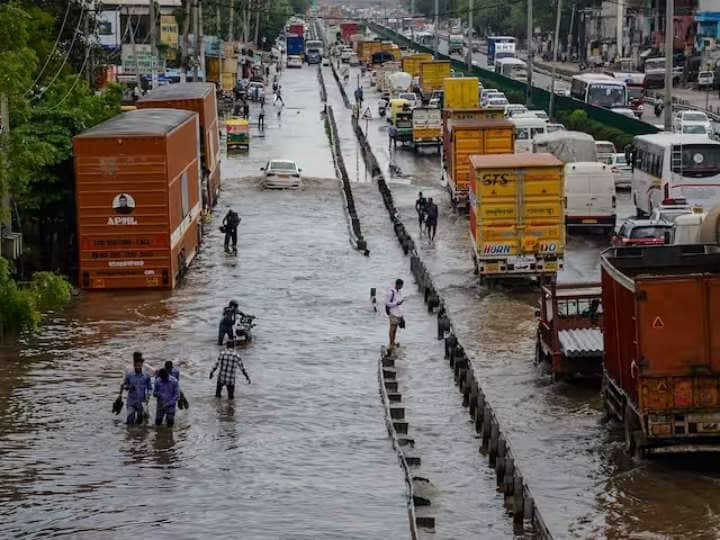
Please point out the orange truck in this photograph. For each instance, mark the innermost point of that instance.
(464, 138)
(138, 200)
(199, 98)
(661, 340)
(432, 76)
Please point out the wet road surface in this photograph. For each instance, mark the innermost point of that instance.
(303, 452)
(575, 464)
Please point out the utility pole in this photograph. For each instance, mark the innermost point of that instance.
(86, 30)
(570, 34)
(153, 45)
(530, 53)
(669, 35)
(555, 52)
(470, 36)
(619, 30)
(185, 41)
(221, 47)
(231, 33)
(5, 221)
(133, 48)
(196, 31)
(201, 44)
(436, 37)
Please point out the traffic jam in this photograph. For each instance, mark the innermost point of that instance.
(526, 186)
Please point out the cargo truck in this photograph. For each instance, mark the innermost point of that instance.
(347, 29)
(426, 128)
(295, 46)
(432, 75)
(365, 50)
(297, 28)
(138, 200)
(461, 93)
(455, 44)
(198, 97)
(411, 64)
(470, 114)
(661, 377)
(517, 224)
(464, 138)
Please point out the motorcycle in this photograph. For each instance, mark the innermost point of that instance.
(243, 328)
(382, 107)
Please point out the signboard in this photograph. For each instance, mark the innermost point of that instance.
(108, 24)
(144, 61)
(169, 31)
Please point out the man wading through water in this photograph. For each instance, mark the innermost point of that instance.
(421, 209)
(393, 309)
(228, 362)
(138, 386)
(230, 225)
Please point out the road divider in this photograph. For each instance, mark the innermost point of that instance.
(495, 445)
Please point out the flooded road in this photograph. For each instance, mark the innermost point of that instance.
(574, 463)
(303, 452)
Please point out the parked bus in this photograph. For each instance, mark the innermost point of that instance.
(599, 89)
(675, 166)
(500, 47)
(511, 67)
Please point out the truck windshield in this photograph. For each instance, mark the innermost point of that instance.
(606, 95)
(650, 231)
(698, 160)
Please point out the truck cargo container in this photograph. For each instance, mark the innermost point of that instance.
(461, 93)
(426, 127)
(470, 114)
(347, 29)
(297, 28)
(432, 75)
(411, 64)
(138, 200)
(367, 48)
(661, 336)
(464, 138)
(199, 98)
(517, 219)
(295, 46)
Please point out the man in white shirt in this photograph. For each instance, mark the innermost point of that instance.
(393, 309)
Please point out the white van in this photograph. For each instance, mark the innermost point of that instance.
(589, 196)
(526, 128)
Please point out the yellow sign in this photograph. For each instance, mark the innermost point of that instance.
(169, 30)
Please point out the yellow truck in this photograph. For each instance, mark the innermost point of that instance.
(465, 138)
(432, 75)
(426, 128)
(461, 93)
(367, 48)
(517, 219)
(411, 63)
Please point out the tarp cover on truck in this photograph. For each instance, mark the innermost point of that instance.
(567, 146)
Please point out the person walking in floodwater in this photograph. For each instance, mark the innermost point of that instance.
(431, 219)
(138, 386)
(167, 392)
(261, 117)
(230, 224)
(421, 208)
(228, 362)
(393, 309)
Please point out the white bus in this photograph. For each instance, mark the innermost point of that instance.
(511, 67)
(675, 166)
(599, 90)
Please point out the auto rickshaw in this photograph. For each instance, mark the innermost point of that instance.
(238, 133)
(397, 105)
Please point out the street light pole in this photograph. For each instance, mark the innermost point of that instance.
(669, 35)
(530, 52)
(470, 35)
(555, 52)
(436, 39)
(153, 45)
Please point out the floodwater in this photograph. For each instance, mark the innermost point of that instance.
(302, 452)
(584, 484)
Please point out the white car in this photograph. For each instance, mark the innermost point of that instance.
(411, 97)
(695, 128)
(294, 61)
(605, 151)
(705, 79)
(693, 118)
(282, 174)
(540, 114)
(496, 103)
(550, 128)
(485, 93)
(621, 171)
(513, 109)
(354, 60)
(325, 61)
(671, 209)
(624, 111)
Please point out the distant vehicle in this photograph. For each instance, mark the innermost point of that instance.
(345, 56)
(655, 73)
(487, 92)
(455, 44)
(527, 127)
(496, 103)
(643, 232)
(255, 91)
(540, 114)
(599, 90)
(561, 88)
(671, 209)
(412, 98)
(706, 79)
(313, 51)
(621, 171)
(670, 165)
(325, 61)
(282, 174)
(294, 62)
(514, 68)
(513, 109)
(552, 127)
(605, 150)
(354, 60)
(625, 111)
(500, 47)
(694, 121)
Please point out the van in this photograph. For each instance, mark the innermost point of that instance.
(590, 196)
(605, 151)
(526, 128)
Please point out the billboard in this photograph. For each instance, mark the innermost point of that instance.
(169, 31)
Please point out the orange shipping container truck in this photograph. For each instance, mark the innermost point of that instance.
(661, 318)
(464, 138)
(200, 98)
(138, 200)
